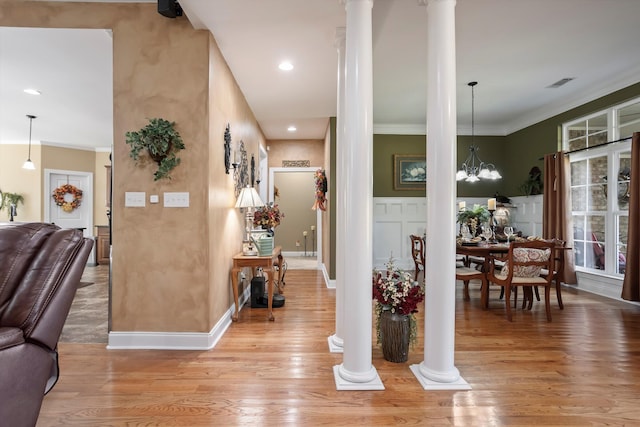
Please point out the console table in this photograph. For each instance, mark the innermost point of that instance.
(241, 261)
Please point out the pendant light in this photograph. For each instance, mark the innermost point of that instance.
(473, 169)
(29, 164)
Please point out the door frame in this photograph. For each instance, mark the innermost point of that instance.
(87, 197)
(272, 172)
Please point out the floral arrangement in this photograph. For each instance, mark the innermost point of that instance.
(268, 216)
(60, 192)
(321, 190)
(396, 291)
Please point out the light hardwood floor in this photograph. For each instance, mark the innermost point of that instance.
(581, 369)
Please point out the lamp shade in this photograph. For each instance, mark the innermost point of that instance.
(28, 165)
(249, 198)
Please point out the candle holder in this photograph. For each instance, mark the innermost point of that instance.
(492, 226)
(305, 243)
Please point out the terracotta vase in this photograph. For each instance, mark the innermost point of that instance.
(394, 335)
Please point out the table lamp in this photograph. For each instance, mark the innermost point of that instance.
(249, 199)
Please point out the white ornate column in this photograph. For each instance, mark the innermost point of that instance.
(437, 370)
(336, 341)
(356, 371)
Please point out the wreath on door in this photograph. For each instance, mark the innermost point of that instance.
(60, 193)
(321, 190)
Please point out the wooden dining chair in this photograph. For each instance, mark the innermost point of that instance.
(558, 269)
(466, 274)
(523, 268)
(417, 253)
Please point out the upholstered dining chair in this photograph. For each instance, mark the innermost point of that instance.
(523, 268)
(417, 253)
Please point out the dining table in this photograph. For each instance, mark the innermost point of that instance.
(483, 251)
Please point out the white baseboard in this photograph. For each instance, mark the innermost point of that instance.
(176, 340)
(331, 284)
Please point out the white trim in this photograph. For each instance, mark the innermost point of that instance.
(330, 284)
(176, 340)
(272, 172)
(399, 129)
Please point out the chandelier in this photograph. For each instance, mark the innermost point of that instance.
(473, 169)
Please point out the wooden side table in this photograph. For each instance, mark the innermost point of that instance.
(241, 261)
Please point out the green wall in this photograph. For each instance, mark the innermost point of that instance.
(384, 147)
(525, 147)
(491, 149)
(513, 155)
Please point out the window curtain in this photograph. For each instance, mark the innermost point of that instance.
(556, 217)
(631, 284)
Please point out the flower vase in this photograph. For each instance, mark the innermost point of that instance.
(270, 231)
(394, 334)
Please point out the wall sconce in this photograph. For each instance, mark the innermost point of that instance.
(29, 164)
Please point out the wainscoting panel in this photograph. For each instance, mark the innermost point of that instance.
(394, 219)
(527, 215)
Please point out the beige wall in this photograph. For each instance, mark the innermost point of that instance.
(297, 195)
(30, 184)
(296, 149)
(227, 106)
(14, 179)
(170, 266)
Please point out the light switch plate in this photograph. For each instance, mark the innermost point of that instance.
(154, 198)
(176, 200)
(135, 199)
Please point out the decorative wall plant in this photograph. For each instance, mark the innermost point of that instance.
(162, 143)
(10, 199)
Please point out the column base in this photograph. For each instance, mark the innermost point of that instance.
(335, 344)
(431, 384)
(343, 384)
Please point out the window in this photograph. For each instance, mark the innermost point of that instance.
(600, 186)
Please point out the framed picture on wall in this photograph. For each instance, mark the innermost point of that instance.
(409, 172)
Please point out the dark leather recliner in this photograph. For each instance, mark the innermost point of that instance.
(40, 268)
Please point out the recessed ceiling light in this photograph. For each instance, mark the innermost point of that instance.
(32, 91)
(291, 129)
(286, 66)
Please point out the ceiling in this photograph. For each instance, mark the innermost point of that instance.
(515, 49)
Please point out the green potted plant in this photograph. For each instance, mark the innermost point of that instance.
(473, 217)
(8, 199)
(533, 184)
(161, 141)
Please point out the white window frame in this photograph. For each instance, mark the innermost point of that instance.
(612, 152)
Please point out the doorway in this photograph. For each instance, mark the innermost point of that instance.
(300, 233)
(80, 217)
